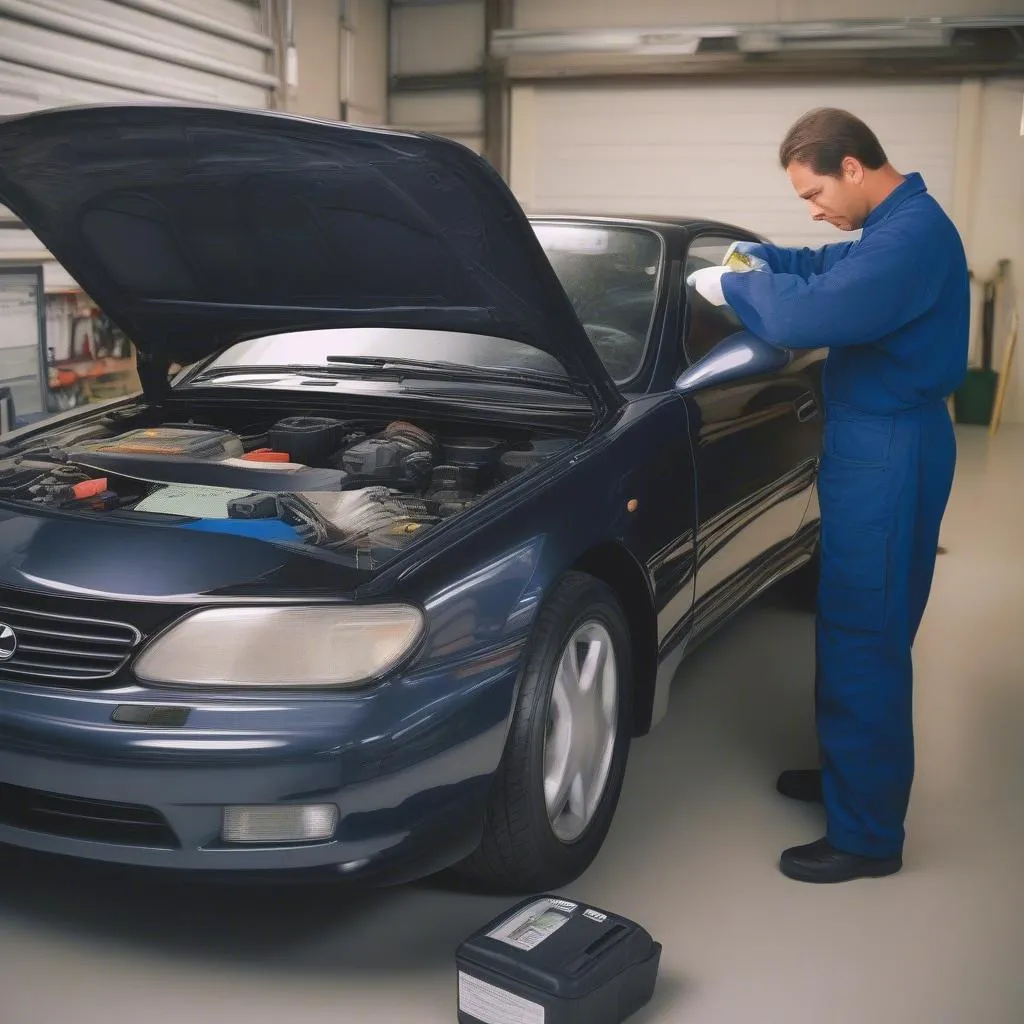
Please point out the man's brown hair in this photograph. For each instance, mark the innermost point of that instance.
(823, 138)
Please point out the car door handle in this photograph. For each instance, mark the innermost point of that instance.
(806, 407)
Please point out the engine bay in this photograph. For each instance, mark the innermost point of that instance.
(364, 488)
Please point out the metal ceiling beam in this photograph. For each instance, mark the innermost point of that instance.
(689, 39)
(796, 67)
(918, 47)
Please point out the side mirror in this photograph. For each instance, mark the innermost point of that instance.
(740, 356)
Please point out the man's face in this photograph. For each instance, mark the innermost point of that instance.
(839, 201)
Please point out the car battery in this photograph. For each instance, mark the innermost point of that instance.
(553, 961)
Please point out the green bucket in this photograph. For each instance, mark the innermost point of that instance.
(975, 398)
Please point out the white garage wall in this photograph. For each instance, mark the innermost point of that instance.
(996, 227)
(318, 51)
(439, 39)
(711, 149)
(446, 112)
(364, 63)
(342, 51)
(454, 113)
(548, 14)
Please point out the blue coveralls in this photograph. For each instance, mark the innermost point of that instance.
(893, 309)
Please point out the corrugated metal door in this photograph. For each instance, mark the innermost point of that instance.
(65, 52)
(58, 52)
(710, 150)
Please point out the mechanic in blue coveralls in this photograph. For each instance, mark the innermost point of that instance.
(893, 310)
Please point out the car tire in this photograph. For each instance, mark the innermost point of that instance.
(526, 846)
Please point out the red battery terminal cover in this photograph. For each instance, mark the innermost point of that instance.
(89, 488)
(266, 455)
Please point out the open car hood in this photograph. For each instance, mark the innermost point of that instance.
(195, 227)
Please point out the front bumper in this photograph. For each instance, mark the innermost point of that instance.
(408, 764)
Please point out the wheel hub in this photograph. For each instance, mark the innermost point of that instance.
(581, 730)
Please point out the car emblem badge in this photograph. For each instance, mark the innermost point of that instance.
(8, 642)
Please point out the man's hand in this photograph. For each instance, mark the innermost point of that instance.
(707, 282)
(748, 256)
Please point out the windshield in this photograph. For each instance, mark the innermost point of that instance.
(609, 272)
(611, 275)
(317, 348)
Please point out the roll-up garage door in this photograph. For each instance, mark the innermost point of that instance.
(58, 52)
(64, 52)
(710, 150)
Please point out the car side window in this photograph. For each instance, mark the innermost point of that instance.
(704, 325)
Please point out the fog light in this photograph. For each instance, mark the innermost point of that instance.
(292, 823)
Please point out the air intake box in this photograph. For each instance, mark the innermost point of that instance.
(309, 440)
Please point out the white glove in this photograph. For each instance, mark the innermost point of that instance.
(708, 282)
(747, 250)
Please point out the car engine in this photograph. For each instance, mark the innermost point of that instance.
(357, 487)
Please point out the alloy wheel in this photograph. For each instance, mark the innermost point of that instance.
(581, 730)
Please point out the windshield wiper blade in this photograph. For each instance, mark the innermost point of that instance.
(269, 369)
(456, 371)
(384, 368)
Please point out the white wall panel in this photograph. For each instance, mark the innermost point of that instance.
(997, 214)
(455, 113)
(318, 45)
(438, 38)
(342, 51)
(367, 59)
(711, 150)
(472, 142)
(552, 14)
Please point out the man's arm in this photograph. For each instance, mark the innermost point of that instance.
(883, 283)
(802, 262)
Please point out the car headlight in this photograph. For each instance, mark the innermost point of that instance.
(307, 646)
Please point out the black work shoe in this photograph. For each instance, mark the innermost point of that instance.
(822, 862)
(801, 784)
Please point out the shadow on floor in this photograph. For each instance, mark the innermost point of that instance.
(304, 927)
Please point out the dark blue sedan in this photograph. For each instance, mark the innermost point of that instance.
(420, 508)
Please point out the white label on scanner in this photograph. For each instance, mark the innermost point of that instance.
(492, 1005)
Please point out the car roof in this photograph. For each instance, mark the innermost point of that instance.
(663, 222)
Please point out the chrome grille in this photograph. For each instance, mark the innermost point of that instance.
(66, 648)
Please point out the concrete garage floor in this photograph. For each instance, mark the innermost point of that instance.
(692, 855)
